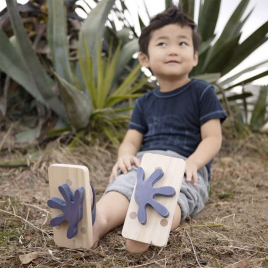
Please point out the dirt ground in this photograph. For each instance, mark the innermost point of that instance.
(232, 230)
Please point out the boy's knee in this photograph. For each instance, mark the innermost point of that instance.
(136, 246)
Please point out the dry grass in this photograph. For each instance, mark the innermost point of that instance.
(232, 231)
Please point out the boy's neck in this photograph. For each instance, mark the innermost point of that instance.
(170, 85)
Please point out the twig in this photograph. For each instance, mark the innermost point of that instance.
(159, 264)
(236, 264)
(226, 102)
(34, 206)
(198, 226)
(6, 135)
(232, 215)
(88, 249)
(28, 211)
(145, 264)
(240, 242)
(19, 217)
(241, 145)
(242, 248)
(260, 259)
(15, 163)
(141, 265)
(193, 249)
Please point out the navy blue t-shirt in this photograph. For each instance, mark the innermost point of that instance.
(172, 120)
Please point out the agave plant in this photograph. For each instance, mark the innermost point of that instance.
(227, 52)
(90, 88)
(108, 113)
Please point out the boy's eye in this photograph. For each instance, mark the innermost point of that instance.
(183, 44)
(162, 44)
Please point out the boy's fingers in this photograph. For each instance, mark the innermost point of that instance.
(111, 177)
(122, 166)
(188, 176)
(127, 164)
(114, 172)
(195, 178)
(137, 161)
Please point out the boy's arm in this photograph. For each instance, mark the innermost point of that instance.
(206, 150)
(127, 151)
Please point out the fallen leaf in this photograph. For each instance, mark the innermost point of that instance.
(240, 264)
(227, 160)
(26, 259)
(16, 219)
(219, 204)
(52, 256)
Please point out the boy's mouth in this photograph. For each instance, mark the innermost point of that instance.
(172, 61)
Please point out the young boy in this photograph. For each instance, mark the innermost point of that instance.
(182, 118)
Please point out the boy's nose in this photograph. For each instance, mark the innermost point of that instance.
(173, 51)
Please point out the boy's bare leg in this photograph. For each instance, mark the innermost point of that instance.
(139, 247)
(111, 212)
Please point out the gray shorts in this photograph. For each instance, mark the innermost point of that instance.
(191, 199)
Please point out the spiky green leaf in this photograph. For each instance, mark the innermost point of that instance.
(93, 28)
(43, 82)
(125, 56)
(78, 106)
(188, 7)
(247, 80)
(130, 79)
(258, 118)
(115, 99)
(254, 41)
(231, 79)
(57, 38)
(217, 62)
(239, 96)
(12, 63)
(168, 3)
(210, 10)
(230, 28)
(242, 23)
(210, 78)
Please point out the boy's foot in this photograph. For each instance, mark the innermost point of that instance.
(152, 224)
(136, 246)
(72, 213)
(100, 221)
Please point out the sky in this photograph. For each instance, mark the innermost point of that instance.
(257, 18)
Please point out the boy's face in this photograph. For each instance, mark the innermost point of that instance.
(171, 53)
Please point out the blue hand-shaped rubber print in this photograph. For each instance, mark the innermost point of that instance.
(72, 208)
(145, 193)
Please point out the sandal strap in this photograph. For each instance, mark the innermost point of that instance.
(93, 212)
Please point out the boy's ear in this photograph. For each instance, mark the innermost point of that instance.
(143, 59)
(195, 59)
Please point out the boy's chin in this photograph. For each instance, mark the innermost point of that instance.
(173, 76)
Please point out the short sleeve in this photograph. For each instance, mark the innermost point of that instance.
(137, 120)
(210, 106)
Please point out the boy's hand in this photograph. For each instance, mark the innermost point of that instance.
(124, 164)
(191, 171)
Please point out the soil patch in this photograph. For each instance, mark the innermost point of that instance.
(232, 230)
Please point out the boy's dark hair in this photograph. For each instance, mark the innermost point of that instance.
(173, 15)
